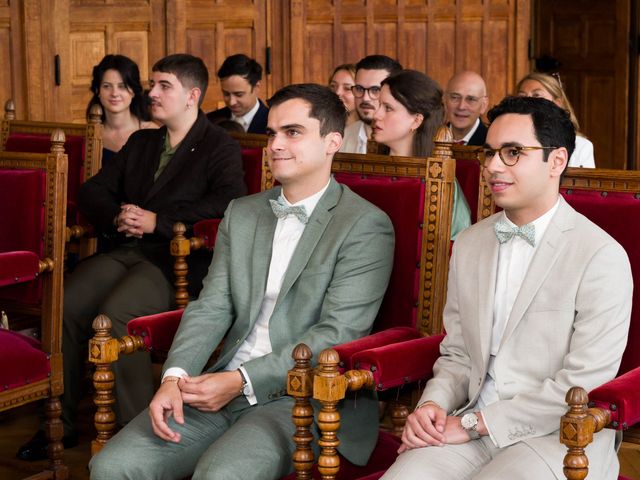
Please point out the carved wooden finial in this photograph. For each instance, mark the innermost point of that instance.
(9, 110)
(302, 353)
(57, 141)
(443, 134)
(102, 325)
(329, 358)
(577, 397)
(95, 114)
(179, 228)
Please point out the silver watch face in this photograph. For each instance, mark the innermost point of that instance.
(469, 421)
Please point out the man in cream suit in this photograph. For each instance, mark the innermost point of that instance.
(538, 300)
(308, 262)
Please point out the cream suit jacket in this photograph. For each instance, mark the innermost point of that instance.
(568, 327)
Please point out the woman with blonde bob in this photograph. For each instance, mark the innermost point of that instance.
(546, 86)
(410, 112)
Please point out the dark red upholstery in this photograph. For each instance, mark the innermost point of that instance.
(17, 267)
(29, 363)
(158, 330)
(403, 200)
(208, 231)
(468, 177)
(252, 164)
(74, 148)
(624, 393)
(619, 215)
(22, 226)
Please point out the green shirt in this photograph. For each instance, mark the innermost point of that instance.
(165, 157)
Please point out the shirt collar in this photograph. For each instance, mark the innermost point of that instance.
(246, 119)
(468, 136)
(541, 223)
(309, 203)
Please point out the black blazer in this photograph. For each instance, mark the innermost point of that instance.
(479, 136)
(257, 125)
(203, 176)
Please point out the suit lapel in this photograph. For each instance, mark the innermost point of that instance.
(551, 247)
(310, 237)
(187, 150)
(487, 269)
(262, 250)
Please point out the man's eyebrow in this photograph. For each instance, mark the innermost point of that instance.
(287, 127)
(505, 144)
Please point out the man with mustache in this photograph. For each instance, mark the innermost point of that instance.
(370, 72)
(538, 301)
(186, 171)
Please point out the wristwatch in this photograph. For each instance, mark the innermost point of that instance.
(244, 390)
(469, 422)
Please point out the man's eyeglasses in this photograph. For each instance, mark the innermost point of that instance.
(469, 99)
(509, 154)
(358, 91)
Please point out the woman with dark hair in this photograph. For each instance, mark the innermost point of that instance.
(117, 89)
(410, 112)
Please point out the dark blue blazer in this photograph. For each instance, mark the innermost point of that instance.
(258, 124)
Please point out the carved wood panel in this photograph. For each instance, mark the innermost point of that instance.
(438, 37)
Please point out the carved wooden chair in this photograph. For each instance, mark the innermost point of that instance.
(32, 212)
(205, 231)
(416, 193)
(83, 144)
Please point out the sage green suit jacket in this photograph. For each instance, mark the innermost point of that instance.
(330, 294)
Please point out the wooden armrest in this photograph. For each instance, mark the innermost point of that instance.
(577, 427)
(104, 350)
(182, 246)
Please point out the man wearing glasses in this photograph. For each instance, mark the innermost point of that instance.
(466, 101)
(370, 72)
(538, 300)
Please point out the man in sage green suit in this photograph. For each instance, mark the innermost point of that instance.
(308, 262)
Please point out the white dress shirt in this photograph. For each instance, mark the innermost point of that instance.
(246, 119)
(514, 258)
(257, 344)
(468, 136)
(582, 156)
(355, 138)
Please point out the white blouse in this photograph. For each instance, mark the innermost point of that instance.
(583, 154)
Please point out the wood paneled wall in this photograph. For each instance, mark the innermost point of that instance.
(307, 39)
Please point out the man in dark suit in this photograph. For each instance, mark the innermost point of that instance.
(240, 79)
(466, 101)
(307, 261)
(186, 171)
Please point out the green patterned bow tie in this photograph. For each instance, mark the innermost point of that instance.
(281, 210)
(505, 232)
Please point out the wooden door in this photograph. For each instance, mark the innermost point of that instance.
(590, 40)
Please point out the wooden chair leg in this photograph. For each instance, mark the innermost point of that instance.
(577, 427)
(54, 431)
(399, 414)
(299, 386)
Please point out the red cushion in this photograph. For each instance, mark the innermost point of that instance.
(41, 143)
(22, 360)
(208, 230)
(17, 267)
(158, 330)
(22, 223)
(403, 200)
(381, 459)
(621, 396)
(252, 164)
(619, 215)
(468, 176)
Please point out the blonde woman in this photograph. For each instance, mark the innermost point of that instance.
(545, 86)
(340, 82)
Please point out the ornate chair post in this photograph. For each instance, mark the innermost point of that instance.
(299, 386)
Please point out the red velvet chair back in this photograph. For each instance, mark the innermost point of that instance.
(22, 222)
(402, 199)
(618, 213)
(252, 164)
(468, 177)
